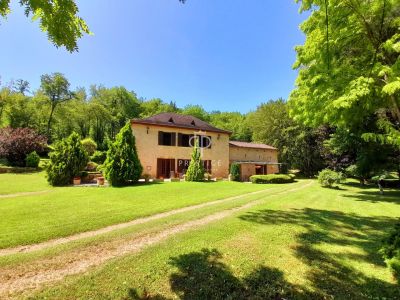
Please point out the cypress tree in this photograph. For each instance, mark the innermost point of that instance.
(195, 171)
(122, 165)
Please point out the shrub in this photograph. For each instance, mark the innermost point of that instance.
(17, 143)
(235, 172)
(32, 160)
(195, 171)
(272, 178)
(122, 165)
(99, 157)
(327, 178)
(391, 251)
(67, 160)
(89, 145)
(91, 166)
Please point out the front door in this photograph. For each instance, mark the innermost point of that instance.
(165, 167)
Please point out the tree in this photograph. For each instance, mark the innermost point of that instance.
(122, 105)
(122, 166)
(349, 75)
(17, 143)
(56, 88)
(155, 106)
(67, 160)
(58, 18)
(195, 171)
(235, 172)
(196, 111)
(298, 146)
(232, 121)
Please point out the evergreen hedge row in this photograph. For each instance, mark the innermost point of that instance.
(272, 178)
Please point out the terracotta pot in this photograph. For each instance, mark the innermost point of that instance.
(77, 180)
(100, 180)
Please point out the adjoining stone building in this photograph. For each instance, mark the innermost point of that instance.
(164, 143)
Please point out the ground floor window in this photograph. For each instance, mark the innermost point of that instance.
(165, 167)
(261, 169)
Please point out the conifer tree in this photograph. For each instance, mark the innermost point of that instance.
(122, 166)
(195, 171)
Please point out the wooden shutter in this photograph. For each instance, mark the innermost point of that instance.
(180, 139)
(160, 138)
(173, 139)
(172, 164)
(159, 167)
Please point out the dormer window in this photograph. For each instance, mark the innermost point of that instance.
(171, 120)
(193, 123)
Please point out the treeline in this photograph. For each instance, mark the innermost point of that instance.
(54, 110)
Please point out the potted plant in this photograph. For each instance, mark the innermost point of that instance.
(100, 181)
(77, 180)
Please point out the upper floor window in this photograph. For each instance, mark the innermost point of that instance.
(166, 138)
(185, 140)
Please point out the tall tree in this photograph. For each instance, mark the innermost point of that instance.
(56, 88)
(298, 145)
(349, 74)
(58, 18)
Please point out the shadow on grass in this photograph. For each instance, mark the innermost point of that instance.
(330, 277)
(389, 195)
(202, 275)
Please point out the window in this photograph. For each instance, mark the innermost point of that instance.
(185, 140)
(166, 138)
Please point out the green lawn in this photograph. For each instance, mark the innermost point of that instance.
(68, 210)
(315, 243)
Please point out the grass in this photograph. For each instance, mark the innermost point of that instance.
(67, 210)
(311, 244)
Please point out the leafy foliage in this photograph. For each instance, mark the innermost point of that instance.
(67, 160)
(195, 171)
(59, 18)
(89, 145)
(272, 178)
(122, 165)
(391, 250)
(327, 178)
(32, 160)
(17, 143)
(349, 70)
(99, 157)
(299, 146)
(235, 172)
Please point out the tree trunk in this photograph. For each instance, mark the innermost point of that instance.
(49, 121)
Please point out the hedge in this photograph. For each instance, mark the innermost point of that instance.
(272, 178)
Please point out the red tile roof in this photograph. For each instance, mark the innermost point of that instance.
(251, 145)
(179, 121)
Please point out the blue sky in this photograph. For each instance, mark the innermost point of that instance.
(225, 55)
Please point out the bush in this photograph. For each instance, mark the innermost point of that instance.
(195, 171)
(89, 145)
(91, 166)
(17, 143)
(391, 251)
(235, 172)
(327, 178)
(122, 165)
(32, 160)
(99, 157)
(67, 160)
(272, 178)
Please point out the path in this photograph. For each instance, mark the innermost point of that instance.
(23, 277)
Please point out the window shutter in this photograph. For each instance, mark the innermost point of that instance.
(159, 167)
(180, 139)
(173, 139)
(160, 138)
(172, 164)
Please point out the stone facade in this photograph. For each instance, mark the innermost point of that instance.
(150, 151)
(164, 143)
